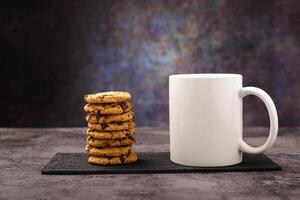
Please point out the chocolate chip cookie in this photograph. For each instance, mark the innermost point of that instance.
(92, 118)
(107, 97)
(110, 143)
(107, 151)
(116, 126)
(108, 109)
(130, 158)
(105, 135)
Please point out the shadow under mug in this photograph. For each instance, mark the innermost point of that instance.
(206, 119)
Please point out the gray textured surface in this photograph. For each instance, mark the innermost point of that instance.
(23, 152)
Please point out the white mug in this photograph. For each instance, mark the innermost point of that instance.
(206, 119)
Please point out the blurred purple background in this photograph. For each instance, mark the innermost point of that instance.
(54, 52)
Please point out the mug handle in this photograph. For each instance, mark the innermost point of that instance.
(243, 146)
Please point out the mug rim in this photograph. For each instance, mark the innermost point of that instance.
(205, 75)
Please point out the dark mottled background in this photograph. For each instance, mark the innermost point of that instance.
(53, 52)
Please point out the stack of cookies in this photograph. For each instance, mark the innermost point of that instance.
(110, 133)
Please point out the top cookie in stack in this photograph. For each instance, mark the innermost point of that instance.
(110, 128)
(107, 97)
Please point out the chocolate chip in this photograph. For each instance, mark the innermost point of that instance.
(124, 106)
(122, 159)
(103, 126)
(98, 117)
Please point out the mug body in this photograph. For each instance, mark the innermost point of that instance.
(205, 119)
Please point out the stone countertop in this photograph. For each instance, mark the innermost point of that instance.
(24, 151)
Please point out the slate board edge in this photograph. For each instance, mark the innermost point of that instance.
(157, 172)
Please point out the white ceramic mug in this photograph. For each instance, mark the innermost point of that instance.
(206, 119)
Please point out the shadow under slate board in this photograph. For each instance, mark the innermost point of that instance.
(76, 163)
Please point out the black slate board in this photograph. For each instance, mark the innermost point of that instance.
(76, 163)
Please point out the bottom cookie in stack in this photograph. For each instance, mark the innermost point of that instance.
(124, 159)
